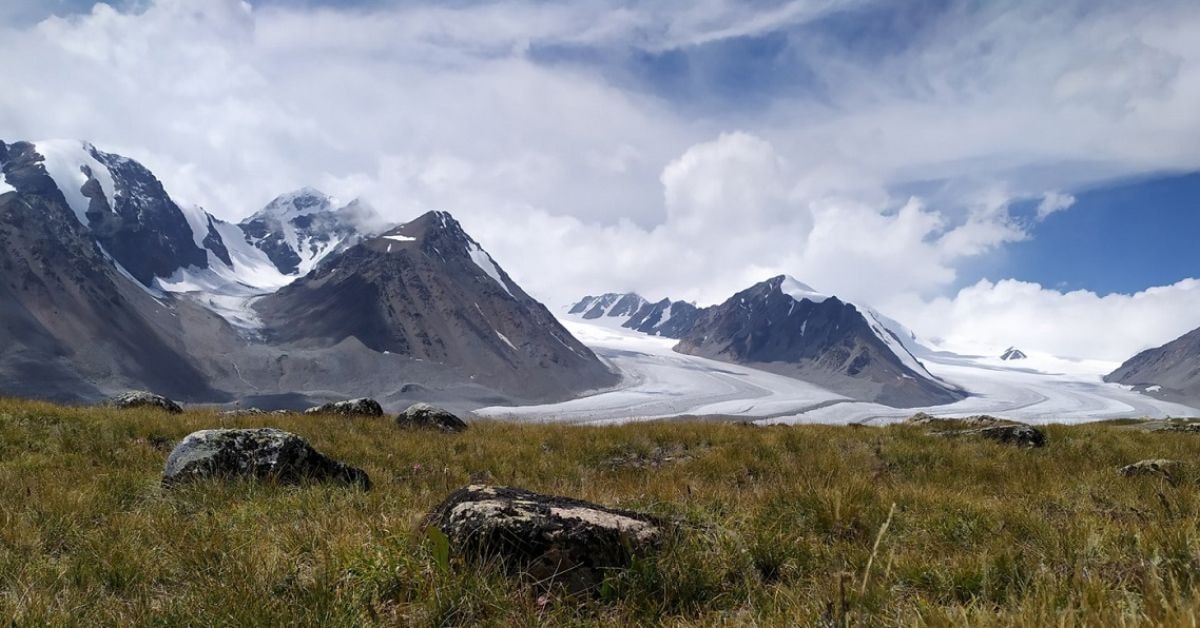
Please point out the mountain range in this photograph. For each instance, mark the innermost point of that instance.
(109, 284)
(784, 326)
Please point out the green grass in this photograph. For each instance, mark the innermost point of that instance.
(776, 526)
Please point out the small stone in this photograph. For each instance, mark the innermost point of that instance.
(1159, 466)
(425, 416)
(262, 453)
(1019, 435)
(143, 399)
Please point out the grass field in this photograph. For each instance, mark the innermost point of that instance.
(777, 526)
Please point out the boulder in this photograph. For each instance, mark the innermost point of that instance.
(240, 412)
(353, 407)
(1019, 435)
(423, 415)
(1159, 466)
(557, 541)
(262, 453)
(143, 399)
(979, 420)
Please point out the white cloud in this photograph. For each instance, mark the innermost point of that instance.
(989, 317)
(1054, 202)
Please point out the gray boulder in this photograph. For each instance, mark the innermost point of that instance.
(353, 407)
(143, 399)
(1019, 435)
(425, 416)
(556, 541)
(263, 453)
(977, 421)
(1158, 466)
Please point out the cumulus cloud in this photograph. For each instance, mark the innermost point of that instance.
(991, 316)
(1054, 202)
(579, 182)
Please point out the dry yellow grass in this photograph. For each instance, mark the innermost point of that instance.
(777, 526)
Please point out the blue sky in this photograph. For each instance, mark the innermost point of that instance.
(1121, 237)
(893, 152)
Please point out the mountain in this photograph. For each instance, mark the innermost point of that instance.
(609, 305)
(72, 320)
(428, 291)
(299, 229)
(667, 318)
(1171, 371)
(108, 284)
(1013, 353)
(784, 326)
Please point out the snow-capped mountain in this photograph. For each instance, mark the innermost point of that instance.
(299, 229)
(1013, 353)
(1171, 371)
(609, 305)
(784, 326)
(667, 318)
(428, 290)
(110, 284)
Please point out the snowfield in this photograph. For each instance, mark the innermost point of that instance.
(659, 383)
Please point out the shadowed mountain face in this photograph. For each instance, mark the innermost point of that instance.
(426, 290)
(68, 317)
(666, 318)
(1171, 371)
(821, 340)
(108, 285)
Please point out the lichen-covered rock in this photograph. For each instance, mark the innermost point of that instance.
(353, 407)
(557, 541)
(1158, 466)
(143, 399)
(977, 421)
(263, 453)
(1019, 435)
(423, 415)
(241, 412)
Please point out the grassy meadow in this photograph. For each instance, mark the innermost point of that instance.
(809, 525)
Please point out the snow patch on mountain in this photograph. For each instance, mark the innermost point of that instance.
(64, 161)
(4, 185)
(801, 291)
(485, 263)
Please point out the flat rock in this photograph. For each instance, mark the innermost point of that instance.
(977, 421)
(425, 416)
(261, 453)
(1019, 435)
(143, 399)
(353, 407)
(555, 540)
(1158, 466)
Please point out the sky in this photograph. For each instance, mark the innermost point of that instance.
(990, 174)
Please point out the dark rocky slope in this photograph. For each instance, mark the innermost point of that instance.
(821, 340)
(427, 291)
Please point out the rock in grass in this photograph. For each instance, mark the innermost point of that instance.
(978, 421)
(423, 415)
(353, 407)
(143, 399)
(1019, 435)
(262, 453)
(1159, 466)
(557, 541)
